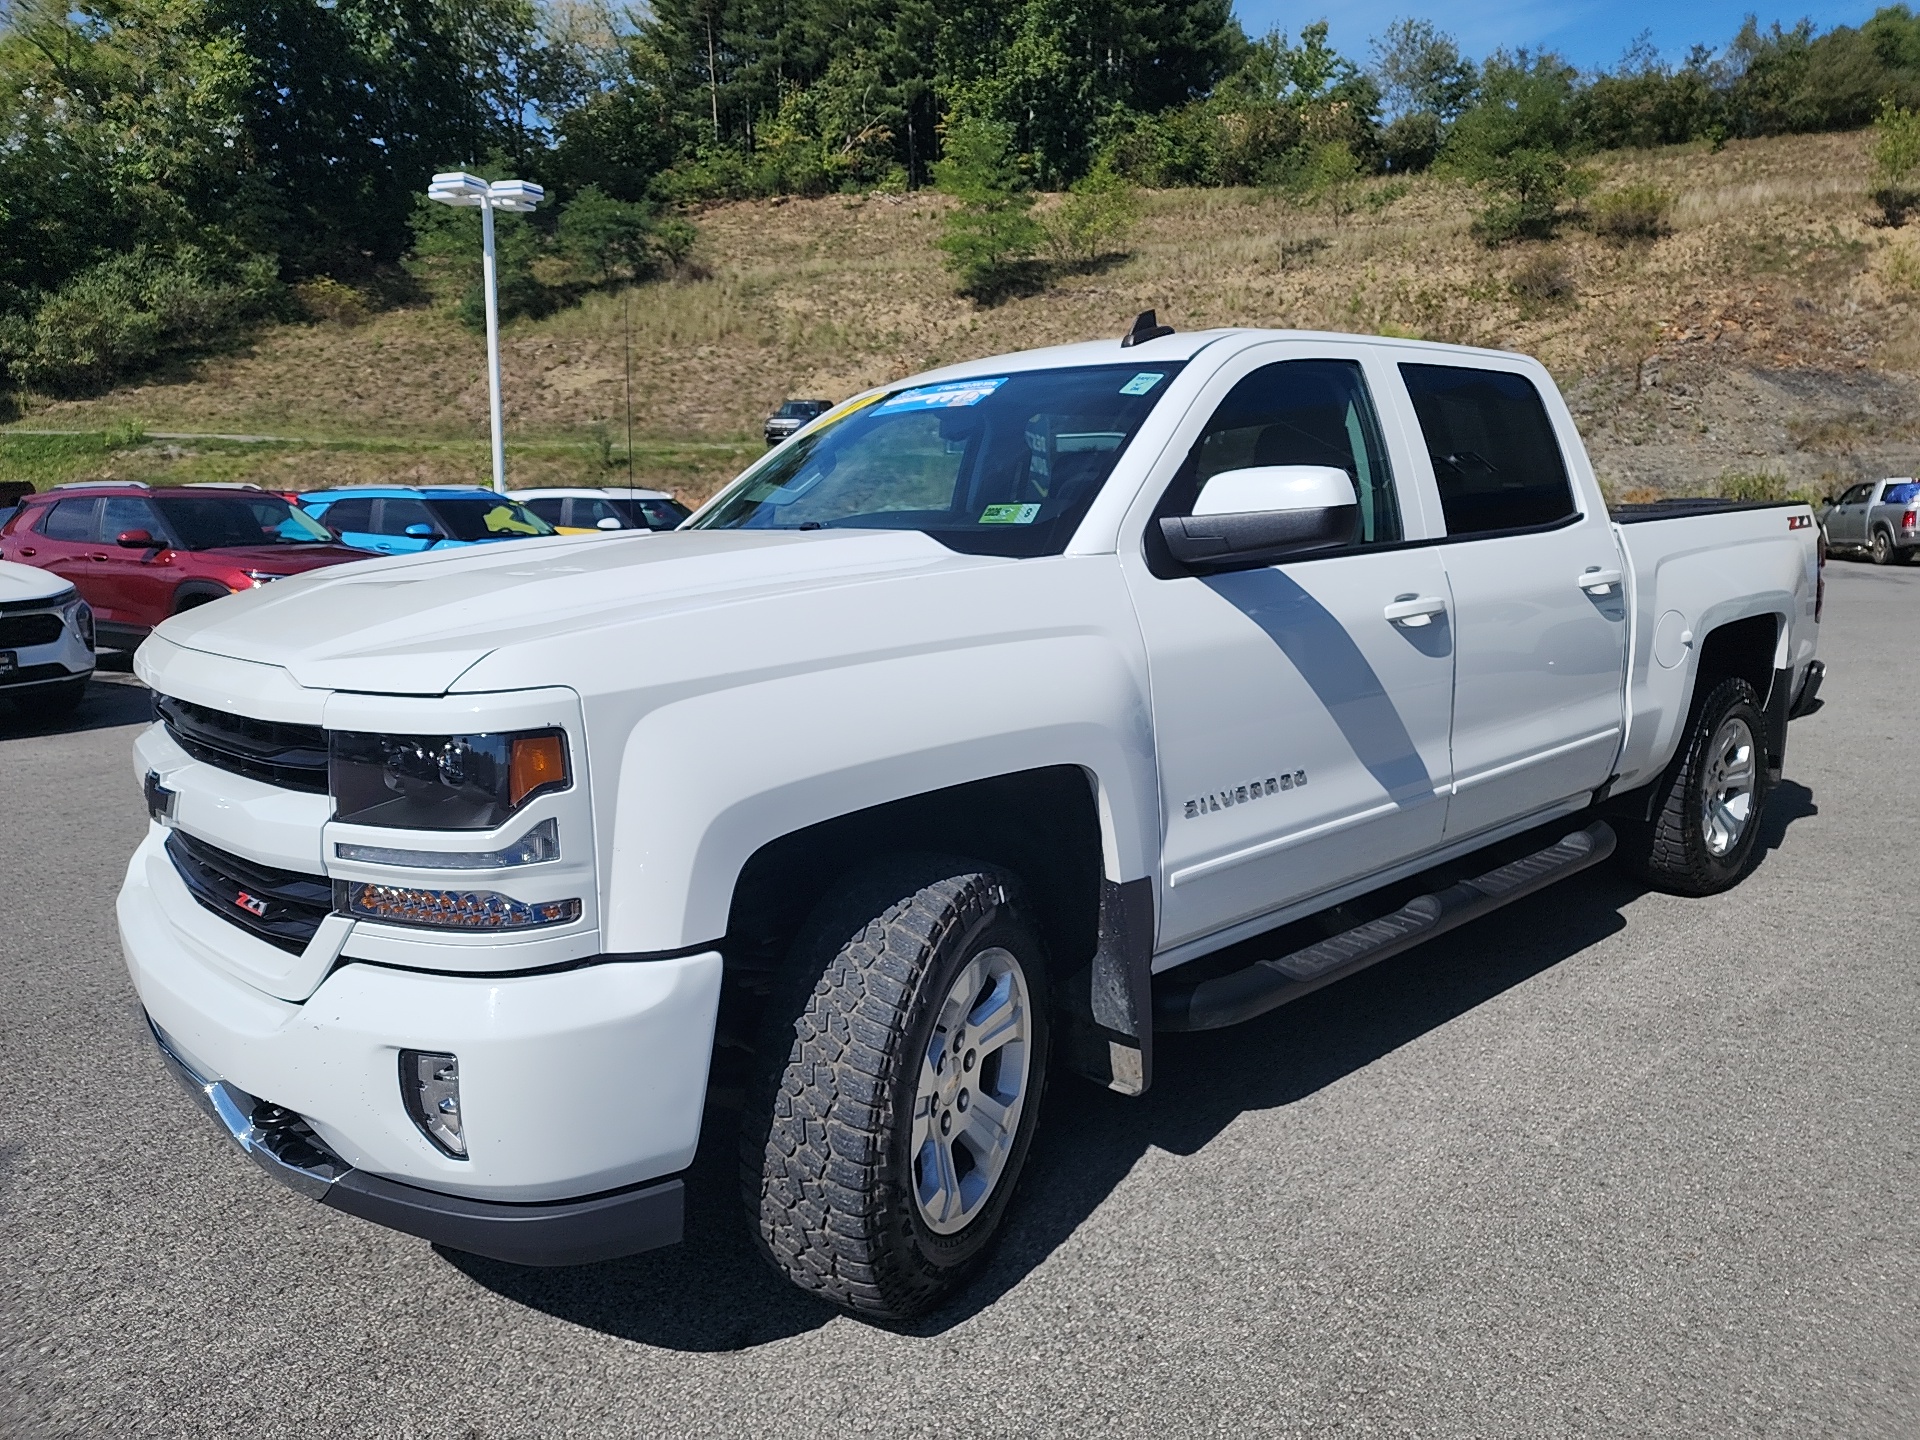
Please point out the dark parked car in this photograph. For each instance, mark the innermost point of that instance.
(791, 415)
(138, 555)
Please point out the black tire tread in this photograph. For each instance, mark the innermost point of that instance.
(1665, 851)
(813, 1168)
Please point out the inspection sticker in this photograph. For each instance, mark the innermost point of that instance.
(953, 395)
(1143, 382)
(1009, 514)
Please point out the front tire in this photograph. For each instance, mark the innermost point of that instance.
(1706, 807)
(901, 1088)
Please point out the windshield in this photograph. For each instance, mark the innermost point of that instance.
(480, 519)
(1000, 465)
(221, 522)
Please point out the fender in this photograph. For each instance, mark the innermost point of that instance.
(753, 762)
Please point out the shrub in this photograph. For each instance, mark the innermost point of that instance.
(1895, 150)
(991, 237)
(1542, 279)
(1095, 219)
(324, 298)
(1527, 191)
(600, 237)
(1751, 485)
(121, 315)
(1633, 212)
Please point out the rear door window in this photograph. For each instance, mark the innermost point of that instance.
(71, 520)
(396, 514)
(551, 510)
(351, 514)
(1495, 456)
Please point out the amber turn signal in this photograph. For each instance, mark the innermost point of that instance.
(539, 762)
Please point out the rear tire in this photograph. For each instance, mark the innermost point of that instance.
(902, 1080)
(1881, 550)
(1706, 807)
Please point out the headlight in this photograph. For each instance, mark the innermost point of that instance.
(442, 782)
(261, 577)
(78, 614)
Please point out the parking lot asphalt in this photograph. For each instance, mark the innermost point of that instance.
(1606, 1163)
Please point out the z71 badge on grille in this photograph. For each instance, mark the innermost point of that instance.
(1240, 794)
(250, 904)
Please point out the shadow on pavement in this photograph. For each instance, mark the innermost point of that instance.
(110, 701)
(715, 1293)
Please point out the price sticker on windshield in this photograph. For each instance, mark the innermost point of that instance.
(953, 395)
(1143, 382)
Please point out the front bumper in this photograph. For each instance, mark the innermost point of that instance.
(567, 1232)
(582, 1088)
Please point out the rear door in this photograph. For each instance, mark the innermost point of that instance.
(1536, 582)
(1301, 729)
(352, 520)
(66, 543)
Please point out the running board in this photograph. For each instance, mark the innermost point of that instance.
(1267, 984)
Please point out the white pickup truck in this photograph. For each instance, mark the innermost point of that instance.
(995, 720)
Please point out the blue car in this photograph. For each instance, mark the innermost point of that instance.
(406, 519)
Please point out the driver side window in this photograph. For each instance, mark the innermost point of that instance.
(1298, 412)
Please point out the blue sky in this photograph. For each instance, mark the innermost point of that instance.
(1587, 32)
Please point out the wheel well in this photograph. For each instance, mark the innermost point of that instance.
(1040, 824)
(1740, 649)
(198, 592)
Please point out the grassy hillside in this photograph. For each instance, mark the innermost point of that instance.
(1775, 329)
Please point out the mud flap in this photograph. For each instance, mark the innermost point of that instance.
(1106, 1019)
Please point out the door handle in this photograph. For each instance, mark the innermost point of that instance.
(1414, 611)
(28, 550)
(1596, 581)
(100, 558)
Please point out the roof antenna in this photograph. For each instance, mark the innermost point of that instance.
(1146, 326)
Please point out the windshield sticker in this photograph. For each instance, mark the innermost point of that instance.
(1143, 382)
(1009, 514)
(954, 395)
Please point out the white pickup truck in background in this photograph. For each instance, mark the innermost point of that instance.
(996, 719)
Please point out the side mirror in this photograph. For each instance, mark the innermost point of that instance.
(610, 523)
(1264, 514)
(1826, 500)
(421, 532)
(136, 540)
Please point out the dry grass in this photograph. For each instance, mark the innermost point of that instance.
(1772, 266)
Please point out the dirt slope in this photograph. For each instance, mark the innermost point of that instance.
(1775, 328)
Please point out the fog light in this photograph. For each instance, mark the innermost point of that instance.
(430, 1089)
(448, 909)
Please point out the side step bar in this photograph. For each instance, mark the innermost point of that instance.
(1267, 984)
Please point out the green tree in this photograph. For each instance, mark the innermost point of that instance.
(991, 236)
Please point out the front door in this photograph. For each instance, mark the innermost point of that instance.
(1538, 596)
(1301, 727)
(136, 585)
(1847, 520)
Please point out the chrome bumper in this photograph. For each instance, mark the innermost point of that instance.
(566, 1232)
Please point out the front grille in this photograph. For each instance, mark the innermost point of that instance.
(17, 632)
(291, 756)
(282, 907)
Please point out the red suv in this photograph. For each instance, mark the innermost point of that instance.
(138, 555)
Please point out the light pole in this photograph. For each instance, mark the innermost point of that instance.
(470, 192)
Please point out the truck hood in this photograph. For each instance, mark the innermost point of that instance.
(412, 625)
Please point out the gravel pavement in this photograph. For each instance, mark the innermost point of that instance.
(1606, 1163)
